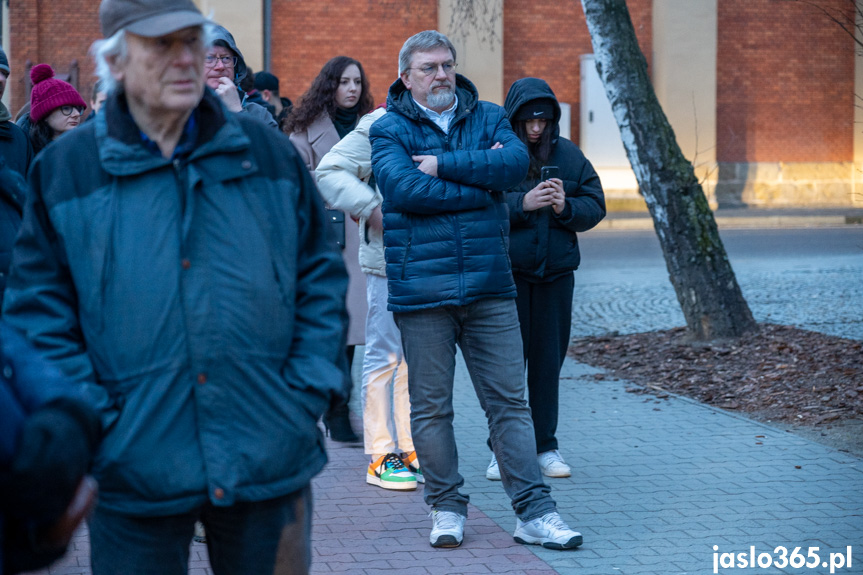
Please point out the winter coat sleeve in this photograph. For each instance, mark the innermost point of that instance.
(342, 173)
(496, 170)
(27, 384)
(257, 111)
(406, 189)
(515, 201)
(41, 300)
(585, 201)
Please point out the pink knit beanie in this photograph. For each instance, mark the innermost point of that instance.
(49, 93)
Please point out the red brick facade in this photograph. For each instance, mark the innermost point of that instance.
(785, 73)
(308, 33)
(546, 38)
(55, 33)
(785, 83)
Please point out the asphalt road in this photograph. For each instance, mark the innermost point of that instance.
(810, 278)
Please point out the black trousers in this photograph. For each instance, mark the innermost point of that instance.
(545, 315)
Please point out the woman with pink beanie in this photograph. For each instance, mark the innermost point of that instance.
(55, 107)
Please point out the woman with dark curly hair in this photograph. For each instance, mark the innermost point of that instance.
(326, 113)
(329, 109)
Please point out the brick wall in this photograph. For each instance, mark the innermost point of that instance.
(785, 83)
(307, 33)
(545, 38)
(55, 33)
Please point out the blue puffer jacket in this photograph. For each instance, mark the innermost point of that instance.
(198, 301)
(446, 238)
(543, 244)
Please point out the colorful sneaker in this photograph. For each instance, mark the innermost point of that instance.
(550, 531)
(552, 464)
(447, 529)
(390, 473)
(492, 473)
(410, 461)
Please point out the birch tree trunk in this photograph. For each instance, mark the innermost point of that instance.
(698, 266)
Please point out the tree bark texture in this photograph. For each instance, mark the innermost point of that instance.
(697, 263)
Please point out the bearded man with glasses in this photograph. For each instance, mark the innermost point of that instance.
(443, 160)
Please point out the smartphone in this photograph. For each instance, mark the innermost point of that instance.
(549, 172)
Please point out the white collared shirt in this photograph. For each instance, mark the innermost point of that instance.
(444, 118)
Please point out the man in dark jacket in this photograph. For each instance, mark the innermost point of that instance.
(267, 85)
(174, 260)
(442, 160)
(14, 142)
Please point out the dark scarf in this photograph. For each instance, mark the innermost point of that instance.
(345, 120)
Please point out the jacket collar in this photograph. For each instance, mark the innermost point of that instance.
(322, 126)
(123, 153)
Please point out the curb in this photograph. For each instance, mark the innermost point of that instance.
(760, 222)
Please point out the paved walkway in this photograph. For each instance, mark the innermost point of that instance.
(657, 482)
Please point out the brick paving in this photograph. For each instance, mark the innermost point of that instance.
(657, 482)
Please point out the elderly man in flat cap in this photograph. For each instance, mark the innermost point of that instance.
(184, 278)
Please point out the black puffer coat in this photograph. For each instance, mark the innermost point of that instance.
(543, 245)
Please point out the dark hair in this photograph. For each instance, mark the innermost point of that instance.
(41, 134)
(247, 84)
(321, 95)
(540, 151)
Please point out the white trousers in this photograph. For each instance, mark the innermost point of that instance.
(386, 403)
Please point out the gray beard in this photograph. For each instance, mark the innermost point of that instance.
(441, 99)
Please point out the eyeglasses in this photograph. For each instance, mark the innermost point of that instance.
(431, 69)
(227, 61)
(67, 110)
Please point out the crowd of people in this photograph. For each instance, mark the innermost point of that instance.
(187, 272)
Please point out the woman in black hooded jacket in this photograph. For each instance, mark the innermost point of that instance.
(544, 218)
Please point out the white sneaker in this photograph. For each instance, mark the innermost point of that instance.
(550, 531)
(447, 529)
(552, 464)
(492, 473)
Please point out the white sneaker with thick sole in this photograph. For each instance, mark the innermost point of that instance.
(492, 473)
(552, 464)
(447, 529)
(550, 531)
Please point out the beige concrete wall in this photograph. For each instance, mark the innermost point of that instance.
(785, 184)
(245, 21)
(479, 59)
(857, 176)
(684, 77)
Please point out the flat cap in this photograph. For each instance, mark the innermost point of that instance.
(148, 18)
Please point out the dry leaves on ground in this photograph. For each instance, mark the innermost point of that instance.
(777, 373)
